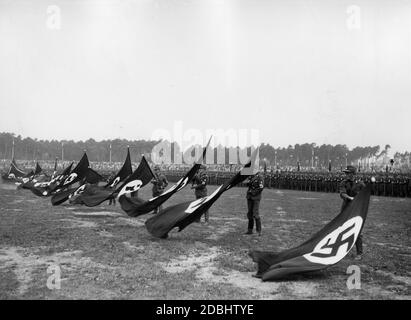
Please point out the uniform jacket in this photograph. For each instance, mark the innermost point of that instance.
(200, 181)
(255, 188)
(159, 183)
(349, 188)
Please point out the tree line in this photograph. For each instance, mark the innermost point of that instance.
(69, 150)
(307, 154)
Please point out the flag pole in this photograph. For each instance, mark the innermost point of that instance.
(12, 150)
(55, 166)
(312, 157)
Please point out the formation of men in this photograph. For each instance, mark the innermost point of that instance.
(387, 184)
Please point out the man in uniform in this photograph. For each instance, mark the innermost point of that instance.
(255, 187)
(349, 188)
(112, 200)
(159, 184)
(199, 185)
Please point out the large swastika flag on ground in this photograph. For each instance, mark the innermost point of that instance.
(327, 247)
(138, 179)
(43, 189)
(78, 173)
(183, 214)
(96, 193)
(92, 177)
(135, 206)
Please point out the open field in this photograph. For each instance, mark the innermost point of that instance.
(103, 254)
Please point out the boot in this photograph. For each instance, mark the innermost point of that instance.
(250, 226)
(206, 217)
(258, 226)
(358, 246)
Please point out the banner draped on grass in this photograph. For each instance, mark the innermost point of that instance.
(65, 172)
(183, 214)
(38, 169)
(139, 178)
(91, 177)
(31, 178)
(14, 173)
(135, 207)
(64, 195)
(78, 173)
(16, 170)
(88, 187)
(44, 189)
(327, 247)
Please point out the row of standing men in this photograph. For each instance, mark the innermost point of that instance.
(388, 185)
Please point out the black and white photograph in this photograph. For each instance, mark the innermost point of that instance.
(216, 152)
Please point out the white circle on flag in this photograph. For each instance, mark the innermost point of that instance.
(335, 245)
(132, 186)
(70, 178)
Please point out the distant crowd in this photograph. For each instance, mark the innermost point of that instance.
(389, 182)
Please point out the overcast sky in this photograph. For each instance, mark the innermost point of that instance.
(298, 71)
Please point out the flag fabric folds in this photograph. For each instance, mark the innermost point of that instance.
(135, 207)
(78, 173)
(91, 178)
(44, 189)
(88, 185)
(183, 214)
(96, 193)
(125, 171)
(38, 169)
(29, 175)
(14, 173)
(139, 178)
(326, 248)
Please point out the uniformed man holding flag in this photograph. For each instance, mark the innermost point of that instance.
(200, 187)
(159, 182)
(255, 187)
(349, 188)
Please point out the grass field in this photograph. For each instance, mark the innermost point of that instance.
(103, 254)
